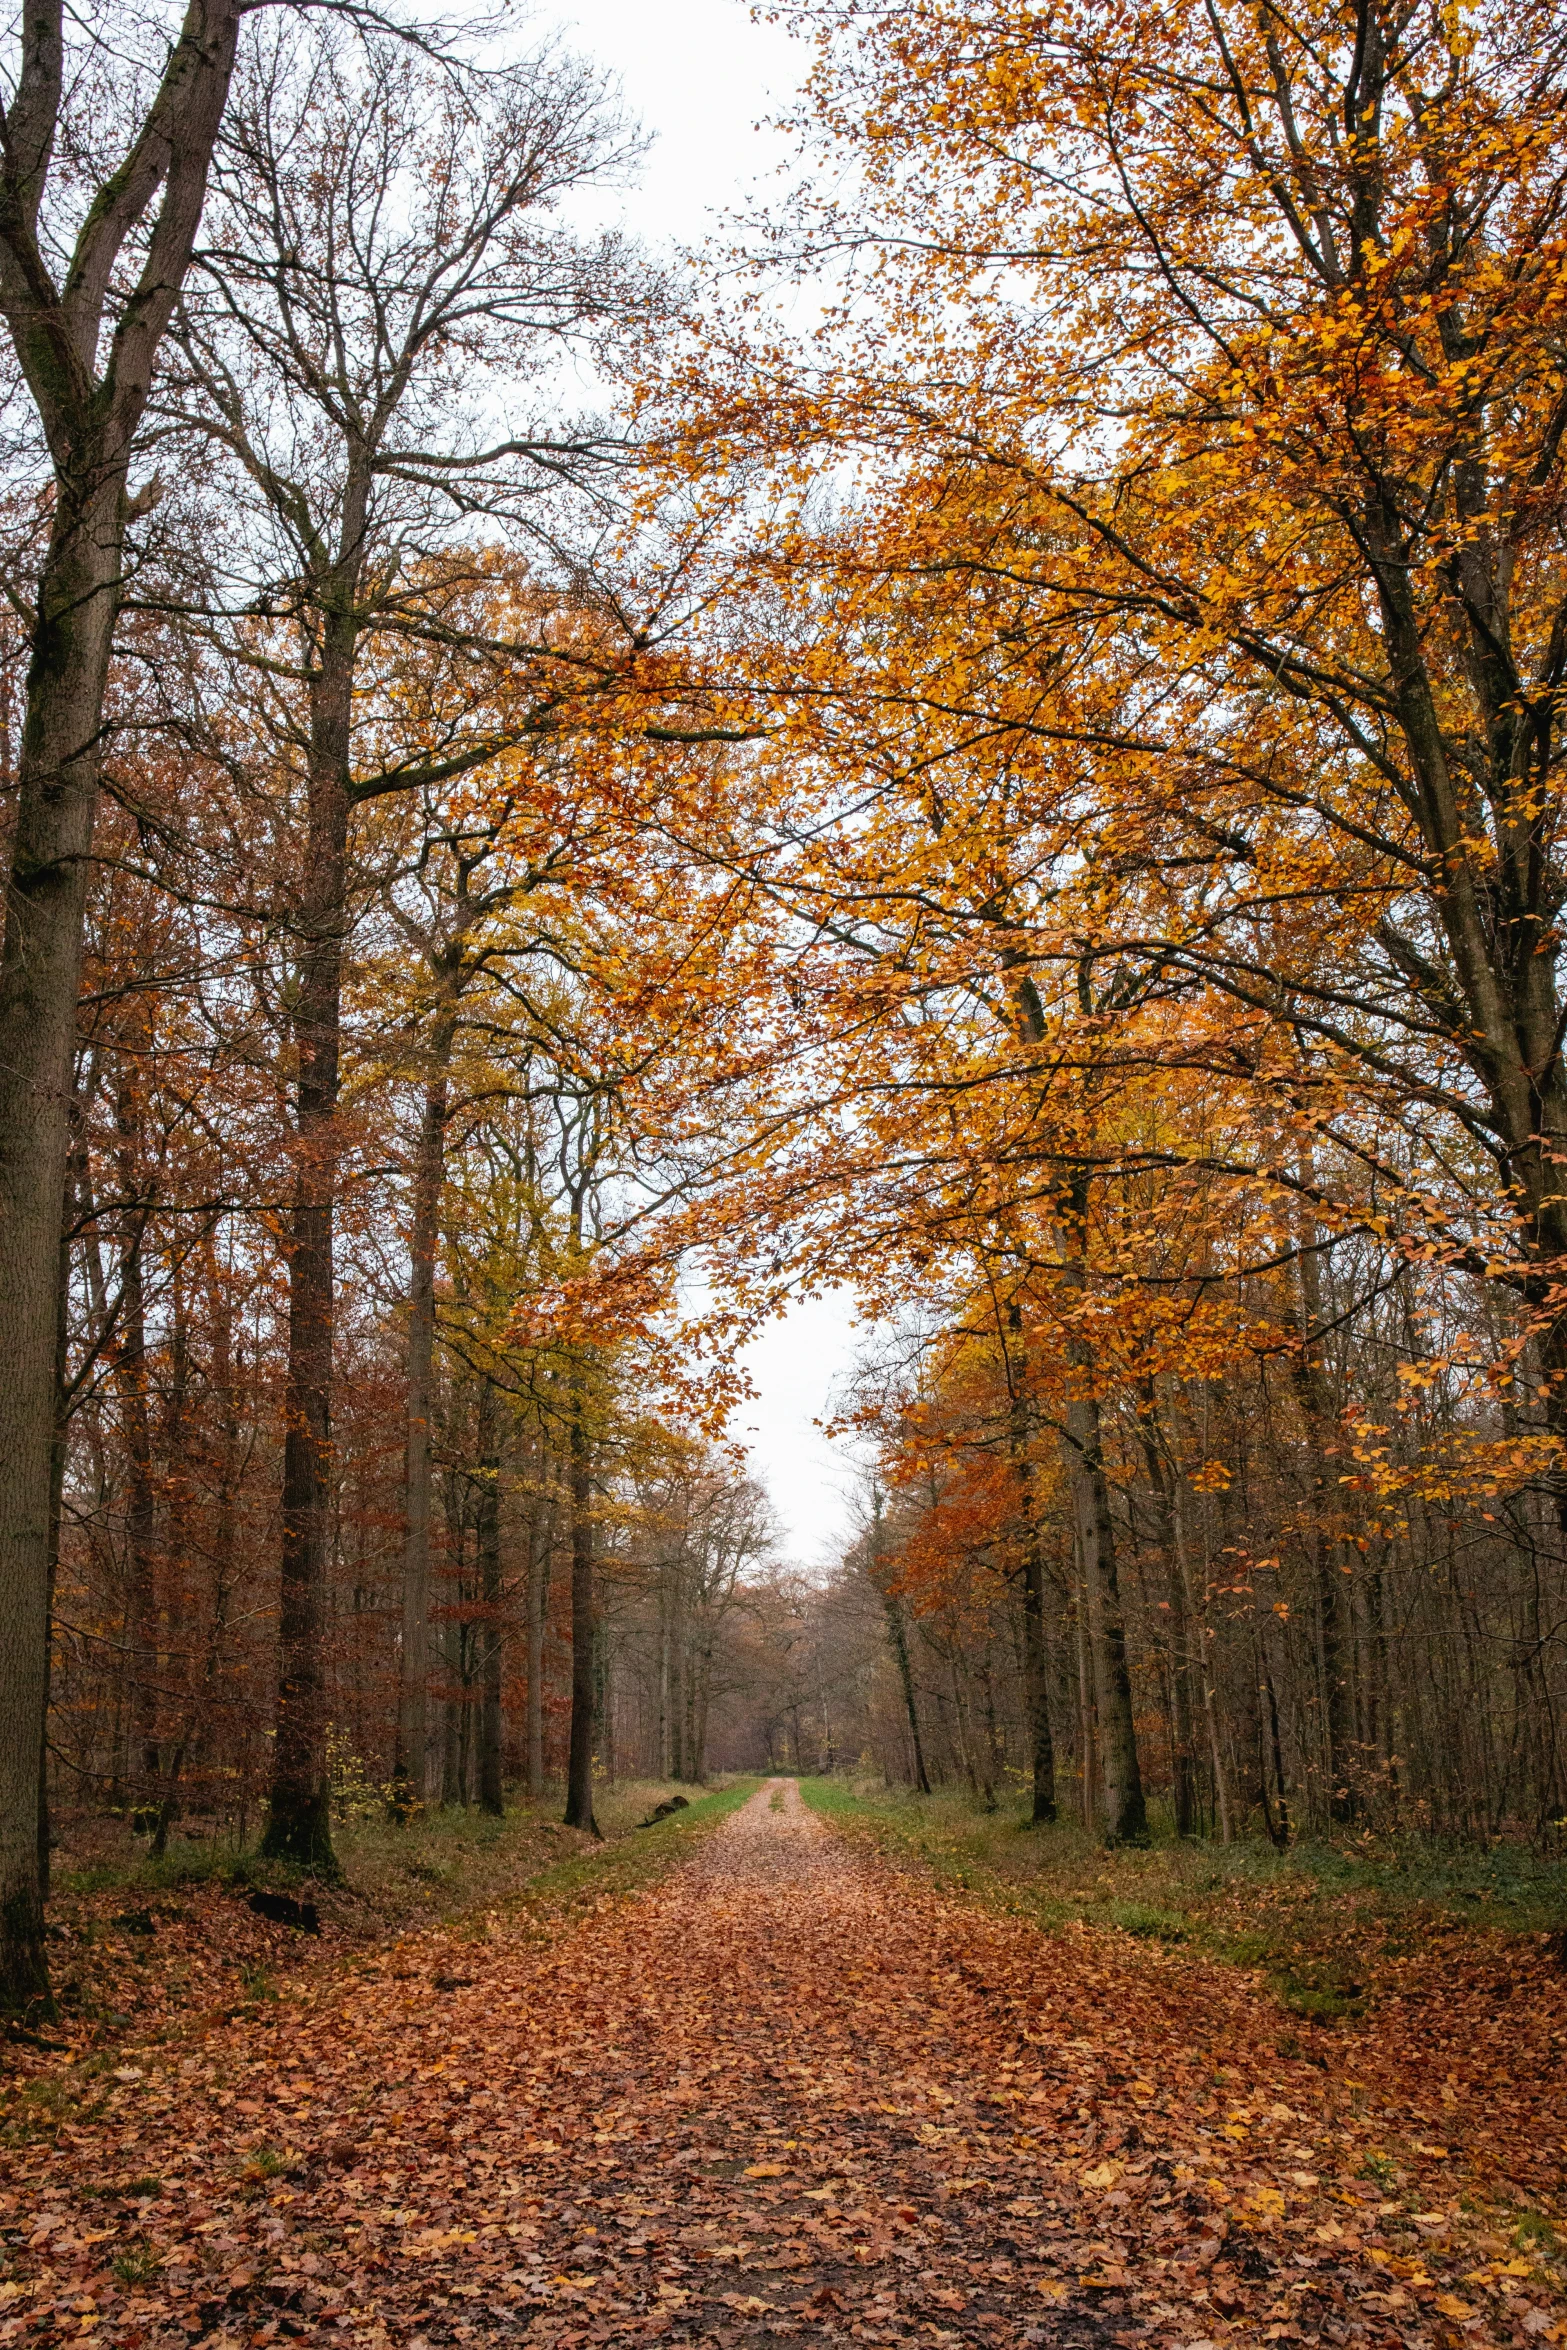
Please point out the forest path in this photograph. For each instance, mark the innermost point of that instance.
(786, 2093)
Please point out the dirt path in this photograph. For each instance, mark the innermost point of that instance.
(786, 2093)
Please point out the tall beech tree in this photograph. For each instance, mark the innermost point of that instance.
(1256, 398)
(383, 241)
(71, 273)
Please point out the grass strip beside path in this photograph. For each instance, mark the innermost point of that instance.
(1446, 2036)
(1329, 1928)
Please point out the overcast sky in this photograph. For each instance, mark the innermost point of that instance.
(700, 75)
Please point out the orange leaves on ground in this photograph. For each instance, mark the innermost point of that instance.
(788, 2094)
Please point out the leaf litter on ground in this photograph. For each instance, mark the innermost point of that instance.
(786, 2092)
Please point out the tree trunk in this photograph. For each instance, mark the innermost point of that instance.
(898, 1638)
(40, 967)
(410, 1761)
(1124, 1812)
(488, 1543)
(1277, 1746)
(541, 1545)
(90, 420)
(584, 1619)
(57, 1457)
(136, 1423)
(299, 1826)
(224, 1462)
(1087, 1719)
(176, 1690)
(1036, 1644)
(1330, 1556)
(898, 1641)
(704, 1689)
(1161, 1479)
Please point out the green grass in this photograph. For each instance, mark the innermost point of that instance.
(1319, 1922)
(628, 1860)
(137, 2266)
(438, 1865)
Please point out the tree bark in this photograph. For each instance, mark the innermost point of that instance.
(1161, 1479)
(140, 1500)
(410, 1762)
(488, 1545)
(39, 976)
(1123, 1809)
(898, 1641)
(1036, 1644)
(541, 1544)
(90, 420)
(584, 1618)
(299, 1824)
(1330, 1556)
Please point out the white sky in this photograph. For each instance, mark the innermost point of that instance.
(699, 74)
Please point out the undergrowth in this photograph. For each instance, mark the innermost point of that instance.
(436, 1864)
(1325, 1924)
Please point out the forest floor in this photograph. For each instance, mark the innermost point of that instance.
(143, 1948)
(1333, 1930)
(785, 2090)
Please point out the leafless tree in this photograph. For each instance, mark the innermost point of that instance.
(385, 295)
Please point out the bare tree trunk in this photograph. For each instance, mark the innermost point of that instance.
(410, 1762)
(541, 1545)
(664, 1645)
(995, 1746)
(1161, 1479)
(898, 1641)
(691, 1768)
(224, 1397)
(898, 1638)
(1276, 1743)
(140, 1518)
(584, 1618)
(488, 1544)
(175, 1694)
(1330, 1557)
(1087, 1718)
(56, 1513)
(299, 1823)
(1124, 1813)
(677, 1668)
(39, 974)
(1036, 1645)
(704, 1688)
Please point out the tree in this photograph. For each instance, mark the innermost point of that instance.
(90, 403)
(355, 286)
